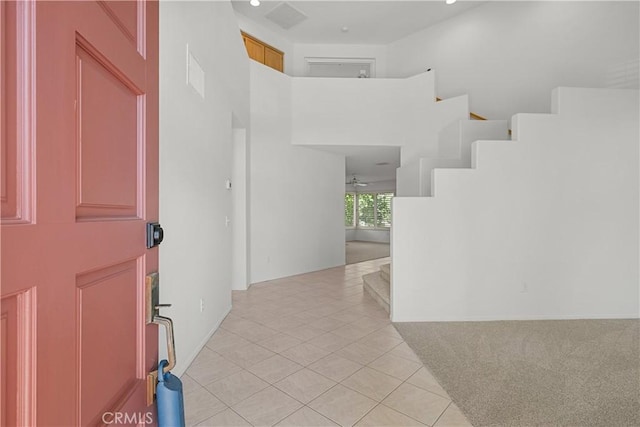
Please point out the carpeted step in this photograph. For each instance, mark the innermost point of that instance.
(385, 272)
(378, 288)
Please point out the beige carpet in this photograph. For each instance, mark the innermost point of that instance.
(526, 373)
(357, 251)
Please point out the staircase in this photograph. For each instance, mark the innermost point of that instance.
(518, 230)
(378, 285)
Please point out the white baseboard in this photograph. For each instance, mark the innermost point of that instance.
(181, 368)
(513, 318)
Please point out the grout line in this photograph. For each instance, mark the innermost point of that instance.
(445, 410)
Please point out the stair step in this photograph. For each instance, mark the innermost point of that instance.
(385, 272)
(378, 288)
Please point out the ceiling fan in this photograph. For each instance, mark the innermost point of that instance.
(356, 183)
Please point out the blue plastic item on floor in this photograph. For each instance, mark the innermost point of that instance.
(170, 399)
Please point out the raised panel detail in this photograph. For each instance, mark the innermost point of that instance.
(17, 366)
(109, 118)
(107, 316)
(124, 15)
(3, 108)
(16, 109)
(9, 362)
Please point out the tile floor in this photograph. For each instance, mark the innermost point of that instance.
(312, 350)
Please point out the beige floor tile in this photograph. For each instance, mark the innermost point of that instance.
(226, 418)
(236, 387)
(306, 417)
(325, 311)
(189, 384)
(417, 403)
(206, 355)
(305, 385)
(360, 353)
(453, 417)
(287, 323)
(248, 355)
(200, 405)
(304, 354)
(395, 366)
(335, 367)
(267, 407)
(304, 316)
(347, 316)
(279, 343)
(327, 324)
(426, 381)
(353, 332)
(404, 351)
(373, 323)
(304, 332)
(274, 368)
(372, 383)
(214, 370)
(391, 331)
(383, 416)
(256, 333)
(330, 342)
(342, 405)
(223, 341)
(237, 324)
(380, 341)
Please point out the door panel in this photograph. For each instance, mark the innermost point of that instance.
(107, 287)
(125, 15)
(84, 191)
(108, 116)
(16, 106)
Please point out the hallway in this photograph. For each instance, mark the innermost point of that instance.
(312, 350)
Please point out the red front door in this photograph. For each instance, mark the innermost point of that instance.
(79, 180)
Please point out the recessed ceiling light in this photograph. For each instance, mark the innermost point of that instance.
(257, 2)
(449, 1)
(345, 29)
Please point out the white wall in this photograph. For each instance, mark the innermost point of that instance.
(379, 236)
(454, 148)
(240, 220)
(303, 50)
(544, 227)
(383, 112)
(350, 234)
(195, 161)
(509, 55)
(296, 193)
(269, 37)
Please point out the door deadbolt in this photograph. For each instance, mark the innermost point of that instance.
(155, 234)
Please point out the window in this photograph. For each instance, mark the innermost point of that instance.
(349, 210)
(367, 210)
(383, 210)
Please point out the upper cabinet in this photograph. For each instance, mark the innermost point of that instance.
(263, 53)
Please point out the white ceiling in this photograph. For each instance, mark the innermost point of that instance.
(361, 161)
(369, 22)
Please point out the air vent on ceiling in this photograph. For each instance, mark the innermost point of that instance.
(286, 15)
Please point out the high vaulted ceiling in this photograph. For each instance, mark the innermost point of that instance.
(368, 22)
